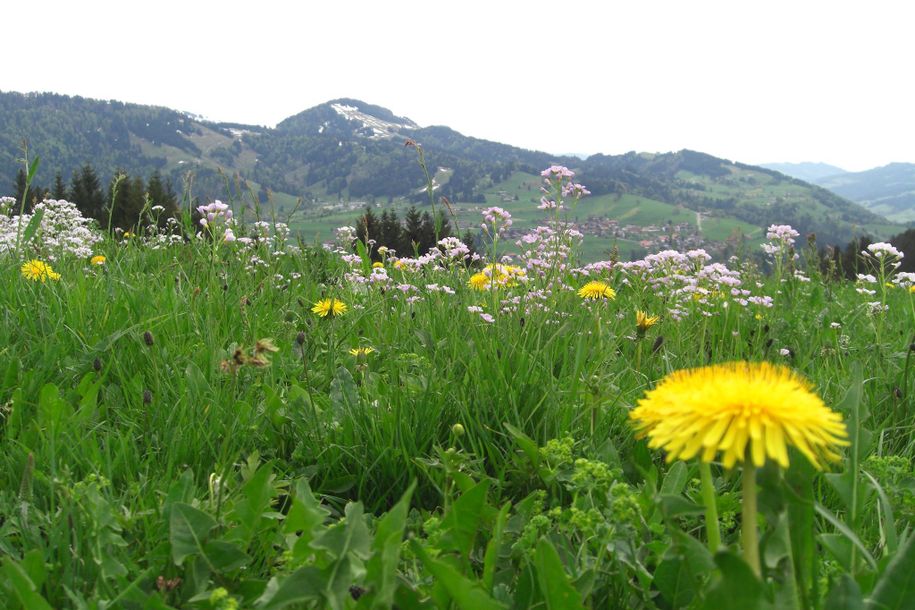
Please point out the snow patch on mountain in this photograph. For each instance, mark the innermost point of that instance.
(381, 130)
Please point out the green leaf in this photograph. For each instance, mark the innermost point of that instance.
(23, 587)
(554, 582)
(887, 518)
(737, 587)
(675, 480)
(303, 585)
(466, 594)
(847, 533)
(677, 506)
(527, 445)
(491, 557)
(675, 582)
(381, 568)
(344, 395)
(188, 529)
(349, 535)
(32, 227)
(304, 518)
(256, 498)
(845, 594)
(460, 525)
(225, 556)
(896, 588)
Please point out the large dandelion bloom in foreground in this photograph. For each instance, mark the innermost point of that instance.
(596, 290)
(38, 271)
(728, 408)
(329, 308)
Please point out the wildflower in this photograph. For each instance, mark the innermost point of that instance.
(480, 281)
(361, 351)
(596, 290)
(377, 265)
(38, 271)
(643, 321)
(98, 259)
(912, 289)
(745, 411)
(457, 430)
(329, 308)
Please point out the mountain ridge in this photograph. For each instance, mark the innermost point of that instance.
(348, 149)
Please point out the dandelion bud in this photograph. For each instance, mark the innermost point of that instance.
(300, 338)
(147, 397)
(897, 393)
(912, 347)
(457, 430)
(97, 365)
(657, 344)
(148, 338)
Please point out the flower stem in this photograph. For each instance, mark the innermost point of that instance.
(748, 532)
(711, 508)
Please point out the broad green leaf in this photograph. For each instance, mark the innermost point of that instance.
(225, 556)
(737, 587)
(304, 518)
(23, 587)
(381, 568)
(188, 529)
(461, 523)
(676, 479)
(845, 594)
(32, 227)
(491, 557)
(528, 446)
(467, 594)
(554, 583)
(847, 533)
(344, 395)
(349, 535)
(887, 518)
(896, 588)
(254, 501)
(303, 585)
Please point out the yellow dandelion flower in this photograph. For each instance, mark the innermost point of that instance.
(361, 351)
(377, 265)
(480, 281)
(643, 321)
(747, 411)
(329, 308)
(597, 290)
(38, 271)
(98, 259)
(912, 289)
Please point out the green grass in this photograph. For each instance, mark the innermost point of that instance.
(139, 439)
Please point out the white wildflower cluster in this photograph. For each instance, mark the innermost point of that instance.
(62, 231)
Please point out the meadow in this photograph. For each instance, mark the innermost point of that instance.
(200, 414)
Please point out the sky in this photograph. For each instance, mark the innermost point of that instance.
(750, 81)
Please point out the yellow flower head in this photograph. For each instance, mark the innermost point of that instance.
(329, 308)
(377, 265)
(98, 259)
(643, 321)
(746, 411)
(38, 271)
(597, 290)
(361, 351)
(912, 289)
(480, 281)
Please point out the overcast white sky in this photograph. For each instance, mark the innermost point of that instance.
(749, 81)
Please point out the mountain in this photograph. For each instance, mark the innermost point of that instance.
(349, 151)
(888, 190)
(808, 172)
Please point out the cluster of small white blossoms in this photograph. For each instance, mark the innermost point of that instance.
(781, 240)
(62, 231)
(498, 221)
(557, 179)
(883, 250)
(217, 221)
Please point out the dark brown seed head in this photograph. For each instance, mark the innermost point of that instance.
(300, 338)
(147, 397)
(97, 365)
(148, 338)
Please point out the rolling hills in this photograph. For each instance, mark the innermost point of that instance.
(342, 155)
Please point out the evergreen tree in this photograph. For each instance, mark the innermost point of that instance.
(20, 185)
(412, 232)
(390, 230)
(161, 193)
(86, 191)
(368, 229)
(60, 189)
(117, 201)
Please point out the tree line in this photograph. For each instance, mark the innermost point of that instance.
(122, 199)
